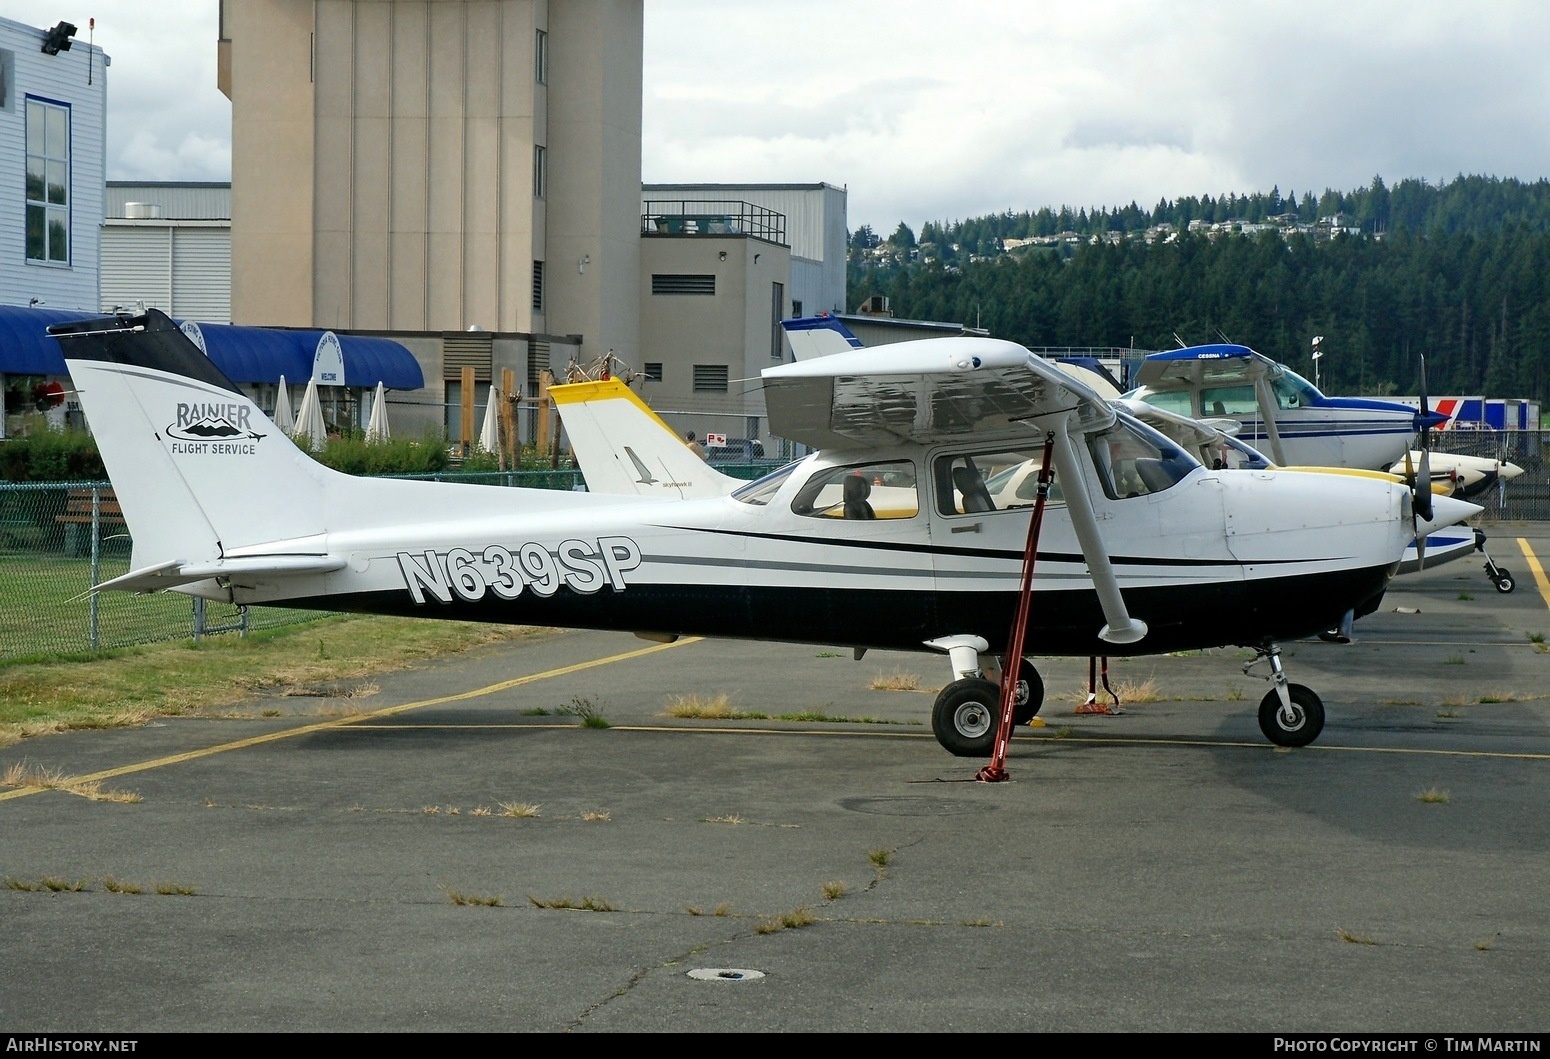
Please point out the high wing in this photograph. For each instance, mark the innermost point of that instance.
(926, 391)
(1219, 364)
(937, 390)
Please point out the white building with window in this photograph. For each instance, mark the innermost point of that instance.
(53, 96)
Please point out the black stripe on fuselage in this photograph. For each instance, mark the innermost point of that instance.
(1062, 622)
(992, 553)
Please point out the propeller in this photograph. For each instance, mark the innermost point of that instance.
(1420, 480)
(1422, 483)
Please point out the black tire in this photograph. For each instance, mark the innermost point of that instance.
(1504, 581)
(1030, 695)
(1308, 724)
(965, 716)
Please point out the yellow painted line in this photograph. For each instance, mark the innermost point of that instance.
(344, 722)
(1020, 739)
(1539, 571)
(1424, 643)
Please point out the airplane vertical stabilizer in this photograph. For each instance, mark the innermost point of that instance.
(197, 467)
(624, 448)
(818, 336)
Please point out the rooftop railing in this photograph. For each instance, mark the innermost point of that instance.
(707, 217)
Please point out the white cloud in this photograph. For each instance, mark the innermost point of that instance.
(936, 112)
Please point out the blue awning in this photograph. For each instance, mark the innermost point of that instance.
(244, 354)
(368, 361)
(256, 354)
(26, 347)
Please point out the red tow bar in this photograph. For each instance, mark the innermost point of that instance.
(1012, 664)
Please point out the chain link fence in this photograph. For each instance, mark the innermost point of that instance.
(1525, 498)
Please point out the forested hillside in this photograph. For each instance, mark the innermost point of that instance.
(1458, 272)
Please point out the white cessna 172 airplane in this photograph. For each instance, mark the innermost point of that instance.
(1146, 555)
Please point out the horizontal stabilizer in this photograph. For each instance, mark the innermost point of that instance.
(171, 574)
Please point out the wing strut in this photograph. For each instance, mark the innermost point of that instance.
(1121, 627)
(1012, 664)
(1266, 399)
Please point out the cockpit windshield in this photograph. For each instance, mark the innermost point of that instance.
(1293, 391)
(1132, 459)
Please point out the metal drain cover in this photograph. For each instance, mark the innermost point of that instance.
(915, 806)
(725, 974)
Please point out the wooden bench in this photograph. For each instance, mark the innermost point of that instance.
(77, 518)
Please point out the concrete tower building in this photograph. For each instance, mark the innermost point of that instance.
(437, 165)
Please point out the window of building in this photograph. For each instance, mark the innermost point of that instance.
(679, 283)
(7, 79)
(540, 172)
(537, 364)
(710, 378)
(796, 308)
(541, 57)
(777, 311)
(48, 182)
(654, 370)
(538, 286)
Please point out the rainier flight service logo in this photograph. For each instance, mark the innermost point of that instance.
(209, 429)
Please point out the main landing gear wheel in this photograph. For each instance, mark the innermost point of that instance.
(1030, 695)
(1299, 728)
(1504, 582)
(965, 716)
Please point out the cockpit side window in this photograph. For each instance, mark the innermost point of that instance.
(860, 492)
(967, 484)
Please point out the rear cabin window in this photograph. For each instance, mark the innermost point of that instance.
(759, 491)
(1178, 402)
(1227, 401)
(860, 492)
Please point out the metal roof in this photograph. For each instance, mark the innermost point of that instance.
(179, 199)
(244, 354)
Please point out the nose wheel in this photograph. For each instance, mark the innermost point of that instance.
(1289, 714)
(1499, 575)
(1298, 722)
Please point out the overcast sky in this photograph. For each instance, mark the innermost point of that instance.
(935, 111)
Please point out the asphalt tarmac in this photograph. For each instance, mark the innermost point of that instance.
(428, 851)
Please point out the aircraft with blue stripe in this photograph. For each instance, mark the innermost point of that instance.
(1281, 413)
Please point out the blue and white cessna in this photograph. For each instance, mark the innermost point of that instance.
(1282, 414)
(1146, 554)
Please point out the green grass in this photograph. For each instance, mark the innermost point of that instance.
(131, 685)
(44, 611)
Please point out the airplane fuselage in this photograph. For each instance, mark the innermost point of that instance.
(1249, 547)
